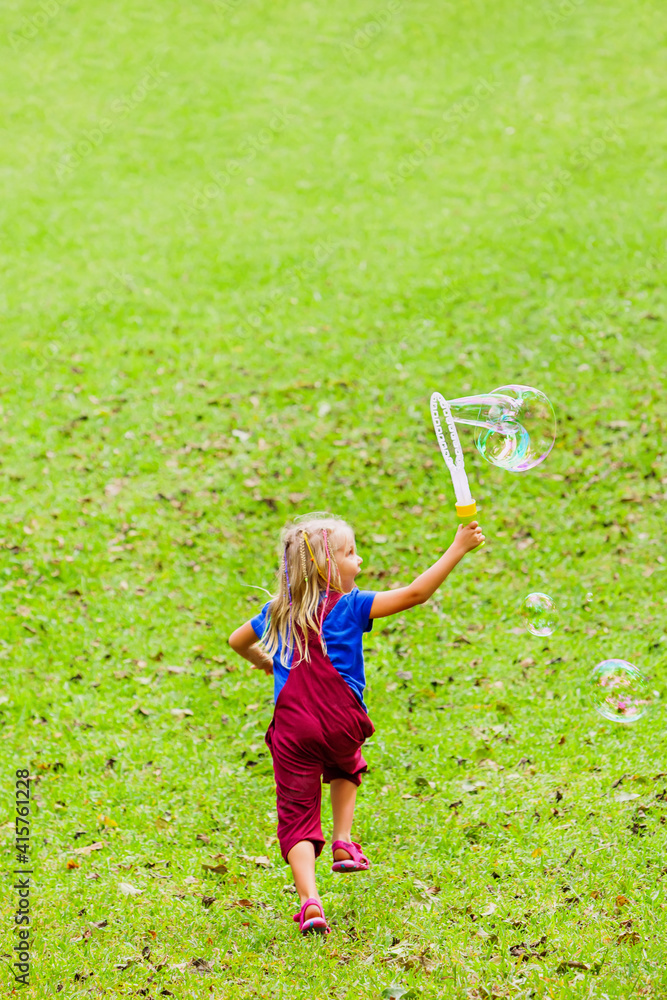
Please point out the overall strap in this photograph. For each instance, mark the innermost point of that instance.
(329, 603)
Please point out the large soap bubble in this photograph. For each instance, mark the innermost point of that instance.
(619, 691)
(517, 425)
(540, 614)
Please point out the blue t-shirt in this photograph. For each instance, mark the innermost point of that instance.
(342, 631)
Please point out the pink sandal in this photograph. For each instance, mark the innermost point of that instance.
(317, 925)
(357, 863)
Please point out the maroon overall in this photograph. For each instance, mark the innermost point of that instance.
(317, 729)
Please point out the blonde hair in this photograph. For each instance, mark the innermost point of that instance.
(307, 567)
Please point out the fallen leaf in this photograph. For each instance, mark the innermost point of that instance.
(216, 869)
(625, 796)
(125, 963)
(529, 951)
(537, 852)
(91, 847)
(202, 966)
(472, 786)
(490, 764)
(564, 966)
(71, 863)
(503, 708)
(629, 937)
(128, 889)
(262, 861)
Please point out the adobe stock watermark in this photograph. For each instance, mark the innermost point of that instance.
(90, 139)
(453, 118)
(225, 7)
(557, 13)
(604, 315)
(369, 31)
(295, 278)
(252, 146)
(32, 25)
(89, 310)
(580, 158)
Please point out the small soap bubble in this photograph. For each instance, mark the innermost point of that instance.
(619, 691)
(540, 614)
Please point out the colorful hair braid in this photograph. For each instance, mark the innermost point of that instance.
(326, 598)
(304, 565)
(289, 594)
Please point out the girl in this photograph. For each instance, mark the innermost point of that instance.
(310, 637)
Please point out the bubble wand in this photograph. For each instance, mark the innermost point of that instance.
(466, 508)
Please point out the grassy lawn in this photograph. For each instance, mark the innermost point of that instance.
(243, 243)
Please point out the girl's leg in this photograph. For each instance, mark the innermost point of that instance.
(343, 798)
(302, 862)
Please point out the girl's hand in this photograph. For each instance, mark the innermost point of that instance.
(244, 642)
(468, 537)
(266, 667)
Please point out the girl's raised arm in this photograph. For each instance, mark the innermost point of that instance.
(390, 602)
(244, 642)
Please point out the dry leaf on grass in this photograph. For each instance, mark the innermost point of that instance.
(628, 937)
(261, 861)
(219, 869)
(91, 847)
(201, 966)
(128, 889)
(523, 950)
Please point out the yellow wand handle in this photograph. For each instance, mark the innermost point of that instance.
(466, 513)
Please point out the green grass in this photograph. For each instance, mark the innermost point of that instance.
(243, 244)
